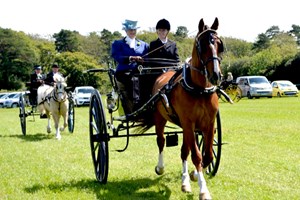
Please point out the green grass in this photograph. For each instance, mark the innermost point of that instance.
(260, 160)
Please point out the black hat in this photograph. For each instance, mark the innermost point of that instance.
(37, 67)
(55, 65)
(163, 24)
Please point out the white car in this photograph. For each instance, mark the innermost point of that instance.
(3, 97)
(82, 95)
(254, 86)
(12, 100)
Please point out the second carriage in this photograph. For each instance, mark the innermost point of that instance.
(28, 107)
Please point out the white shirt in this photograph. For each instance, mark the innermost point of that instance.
(130, 42)
(164, 41)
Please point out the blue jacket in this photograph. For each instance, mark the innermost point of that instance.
(121, 51)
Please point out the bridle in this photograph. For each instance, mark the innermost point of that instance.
(57, 91)
(212, 39)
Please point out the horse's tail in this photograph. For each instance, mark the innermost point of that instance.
(146, 123)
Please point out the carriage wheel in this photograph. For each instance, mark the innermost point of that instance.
(98, 137)
(22, 114)
(232, 92)
(71, 116)
(214, 165)
(238, 94)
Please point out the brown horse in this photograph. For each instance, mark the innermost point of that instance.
(192, 103)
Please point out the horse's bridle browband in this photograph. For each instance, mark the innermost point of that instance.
(198, 47)
(54, 96)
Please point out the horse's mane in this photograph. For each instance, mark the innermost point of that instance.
(58, 78)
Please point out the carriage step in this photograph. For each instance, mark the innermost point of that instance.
(44, 116)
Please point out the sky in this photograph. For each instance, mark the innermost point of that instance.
(241, 19)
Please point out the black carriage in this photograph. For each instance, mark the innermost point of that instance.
(102, 126)
(28, 107)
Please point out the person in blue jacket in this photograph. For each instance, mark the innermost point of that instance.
(128, 52)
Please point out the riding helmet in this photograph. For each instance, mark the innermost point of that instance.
(55, 65)
(163, 24)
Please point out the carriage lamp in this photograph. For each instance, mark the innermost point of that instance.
(110, 101)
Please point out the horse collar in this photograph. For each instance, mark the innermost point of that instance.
(187, 83)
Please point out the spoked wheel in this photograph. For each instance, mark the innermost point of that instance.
(98, 137)
(71, 116)
(238, 94)
(217, 145)
(232, 92)
(22, 114)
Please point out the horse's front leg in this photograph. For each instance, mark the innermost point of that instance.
(198, 173)
(49, 122)
(56, 118)
(65, 117)
(160, 123)
(185, 178)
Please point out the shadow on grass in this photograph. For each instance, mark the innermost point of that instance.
(33, 138)
(125, 189)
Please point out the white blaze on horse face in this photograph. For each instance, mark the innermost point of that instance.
(215, 62)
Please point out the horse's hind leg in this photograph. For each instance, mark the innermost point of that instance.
(208, 143)
(160, 123)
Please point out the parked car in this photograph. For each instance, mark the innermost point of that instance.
(284, 88)
(12, 100)
(254, 86)
(3, 98)
(82, 95)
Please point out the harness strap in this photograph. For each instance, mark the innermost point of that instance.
(186, 82)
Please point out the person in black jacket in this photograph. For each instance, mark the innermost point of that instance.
(162, 47)
(49, 79)
(163, 53)
(36, 80)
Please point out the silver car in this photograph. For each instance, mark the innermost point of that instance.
(254, 86)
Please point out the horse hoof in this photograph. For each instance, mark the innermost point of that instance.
(159, 170)
(193, 176)
(48, 130)
(186, 188)
(205, 196)
(58, 137)
(61, 129)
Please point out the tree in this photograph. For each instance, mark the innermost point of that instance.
(296, 32)
(262, 42)
(272, 32)
(66, 40)
(181, 32)
(18, 54)
(74, 65)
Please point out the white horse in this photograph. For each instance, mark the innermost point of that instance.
(53, 100)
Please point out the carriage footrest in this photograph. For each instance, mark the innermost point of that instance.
(171, 140)
(43, 116)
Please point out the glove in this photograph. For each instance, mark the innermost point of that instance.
(136, 59)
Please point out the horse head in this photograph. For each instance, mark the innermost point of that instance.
(206, 52)
(60, 88)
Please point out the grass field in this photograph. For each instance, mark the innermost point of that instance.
(260, 160)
